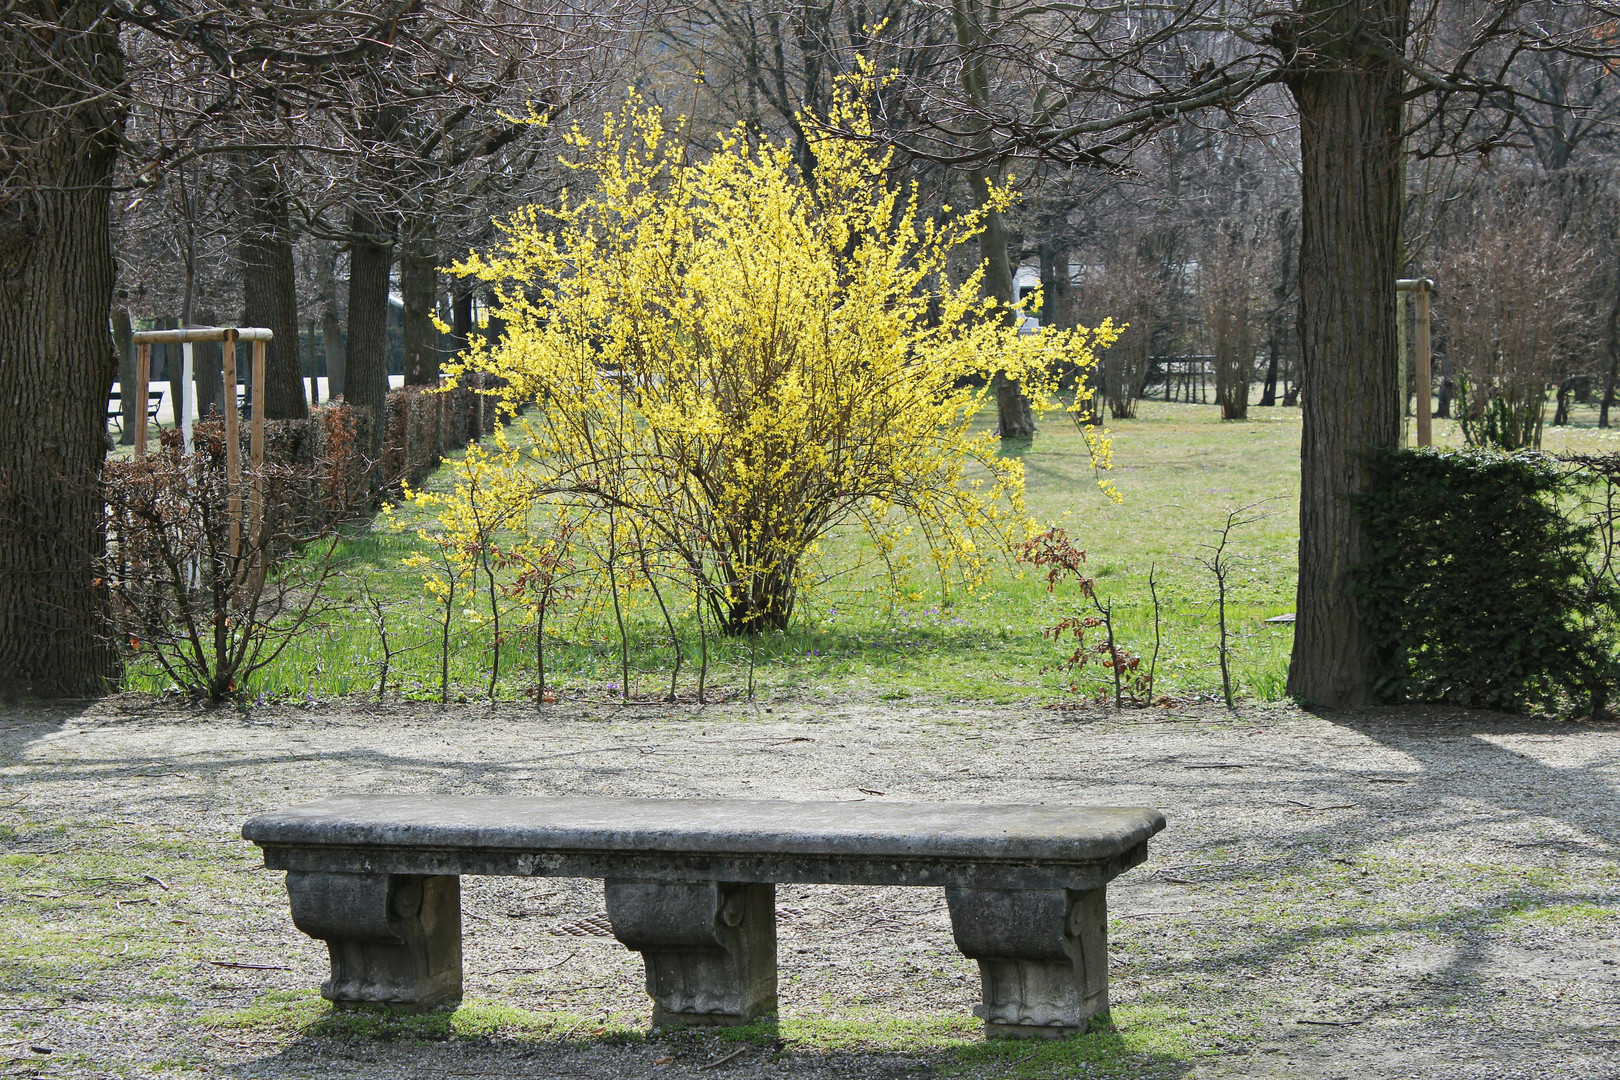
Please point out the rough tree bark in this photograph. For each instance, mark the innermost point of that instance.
(419, 289)
(60, 123)
(270, 289)
(365, 383)
(1349, 99)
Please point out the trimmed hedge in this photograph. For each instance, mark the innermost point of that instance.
(422, 424)
(1478, 581)
(412, 442)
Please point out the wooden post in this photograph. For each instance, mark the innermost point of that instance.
(1422, 287)
(143, 380)
(233, 448)
(256, 445)
(1401, 356)
(1424, 375)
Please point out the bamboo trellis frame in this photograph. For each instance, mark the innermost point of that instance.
(228, 336)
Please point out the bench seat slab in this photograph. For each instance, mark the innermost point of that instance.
(1043, 957)
(969, 845)
(394, 939)
(709, 947)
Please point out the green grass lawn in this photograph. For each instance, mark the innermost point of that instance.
(1180, 469)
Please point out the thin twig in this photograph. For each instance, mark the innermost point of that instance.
(737, 1053)
(531, 970)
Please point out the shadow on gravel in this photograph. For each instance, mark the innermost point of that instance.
(1455, 768)
(1371, 931)
(486, 1040)
(1580, 796)
(23, 725)
(370, 769)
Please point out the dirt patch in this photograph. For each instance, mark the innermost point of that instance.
(1375, 894)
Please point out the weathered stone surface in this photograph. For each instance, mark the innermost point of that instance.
(1043, 957)
(690, 885)
(854, 843)
(709, 947)
(393, 938)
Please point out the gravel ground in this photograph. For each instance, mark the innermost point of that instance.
(1392, 893)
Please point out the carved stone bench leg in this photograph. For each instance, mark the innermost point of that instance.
(1043, 957)
(394, 938)
(709, 947)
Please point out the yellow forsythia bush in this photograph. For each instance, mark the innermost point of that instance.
(736, 360)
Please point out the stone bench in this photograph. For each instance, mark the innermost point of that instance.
(691, 885)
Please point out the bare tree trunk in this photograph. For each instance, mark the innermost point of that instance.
(270, 290)
(124, 342)
(1233, 368)
(1016, 419)
(1268, 396)
(1054, 276)
(365, 384)
(1283, 269)
(1614, 358)
(331, 326)
(1352, 177)
(59, 129)
(419, 287)
(208, 367)
(313, 370)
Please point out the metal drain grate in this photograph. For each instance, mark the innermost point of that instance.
(595, 926)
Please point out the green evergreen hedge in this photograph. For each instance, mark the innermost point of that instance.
(1479, 583)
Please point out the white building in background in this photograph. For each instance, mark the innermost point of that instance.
(1026, 279)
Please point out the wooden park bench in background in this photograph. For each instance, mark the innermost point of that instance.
(691, 885)
(115, 407)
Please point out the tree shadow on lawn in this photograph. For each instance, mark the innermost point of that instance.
(484, 1038)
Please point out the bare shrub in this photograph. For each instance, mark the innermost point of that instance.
(1128, 290)
(210, 589)
(1513, 274)
(1227, 285)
